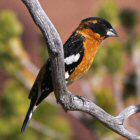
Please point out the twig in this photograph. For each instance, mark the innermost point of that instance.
(68, 100)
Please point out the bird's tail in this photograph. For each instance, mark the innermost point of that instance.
(28, 117)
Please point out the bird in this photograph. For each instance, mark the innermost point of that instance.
(79, 53)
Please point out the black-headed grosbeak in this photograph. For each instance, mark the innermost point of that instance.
(79, 52)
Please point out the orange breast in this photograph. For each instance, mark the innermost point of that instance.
(91, 46)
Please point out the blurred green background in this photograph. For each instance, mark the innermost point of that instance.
(113, 82)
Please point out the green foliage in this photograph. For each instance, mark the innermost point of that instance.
(109, 11)
(130, 88)
(128, 18)
(10, 31)
(114, 59)
(8, 61)
(9, 26)
(111, 58)
(12, 106)
(129, 44)
(105, 99)
(49, 115)
(99, 59)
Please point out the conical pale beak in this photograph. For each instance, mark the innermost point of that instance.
(111, 33)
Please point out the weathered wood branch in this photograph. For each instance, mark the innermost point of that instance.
(68, 100)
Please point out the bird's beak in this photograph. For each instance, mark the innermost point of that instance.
(111, 33)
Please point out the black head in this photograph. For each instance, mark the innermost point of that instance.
(100, 26)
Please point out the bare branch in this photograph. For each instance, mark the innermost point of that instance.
(68, 100)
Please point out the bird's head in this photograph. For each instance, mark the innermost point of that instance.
(99, 26)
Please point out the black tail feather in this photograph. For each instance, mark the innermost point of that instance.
(27, 118)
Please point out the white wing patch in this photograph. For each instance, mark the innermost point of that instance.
(66, 75)
(71, 59)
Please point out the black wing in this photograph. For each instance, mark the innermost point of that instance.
(43, 84)
(73, 46)
(42, 88)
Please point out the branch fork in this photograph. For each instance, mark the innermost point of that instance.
(69, 101)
